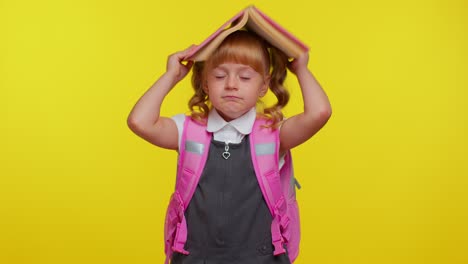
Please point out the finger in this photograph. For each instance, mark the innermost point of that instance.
(182, 55)
(189, 64)
(185, 63)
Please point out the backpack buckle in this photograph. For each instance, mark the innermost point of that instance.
(276, 236)
(180, 238)
(279, 249)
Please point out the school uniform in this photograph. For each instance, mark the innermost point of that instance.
(228, 220)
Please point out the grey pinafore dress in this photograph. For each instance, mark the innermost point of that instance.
(228, 220)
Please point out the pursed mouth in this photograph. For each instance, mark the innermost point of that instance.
(230, 97)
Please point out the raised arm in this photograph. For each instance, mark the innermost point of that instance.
(317, 110)
(145, 120)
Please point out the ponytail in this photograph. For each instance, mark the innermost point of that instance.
(279, 61)
(198, 104)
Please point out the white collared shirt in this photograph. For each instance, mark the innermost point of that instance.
(227, 132)
(233, 131)
(230, 132)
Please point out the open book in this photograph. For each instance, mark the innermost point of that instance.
(252, 19)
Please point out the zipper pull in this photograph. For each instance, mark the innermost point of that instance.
(226, 153)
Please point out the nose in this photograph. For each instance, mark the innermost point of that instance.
(231, 83)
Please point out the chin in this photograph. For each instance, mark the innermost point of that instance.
(229, 116)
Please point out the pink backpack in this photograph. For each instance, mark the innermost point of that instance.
(278, 187)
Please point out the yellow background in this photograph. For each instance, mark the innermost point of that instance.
(384, 182)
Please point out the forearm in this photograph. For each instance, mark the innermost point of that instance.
(146, 111)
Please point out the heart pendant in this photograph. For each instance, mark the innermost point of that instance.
(226, 155)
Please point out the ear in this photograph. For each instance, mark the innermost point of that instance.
(264, 89)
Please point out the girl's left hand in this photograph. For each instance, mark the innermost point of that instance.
(299, 63)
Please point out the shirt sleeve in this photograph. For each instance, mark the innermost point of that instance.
(179, 120)
(281, 158)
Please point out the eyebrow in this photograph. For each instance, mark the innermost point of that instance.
(240, 67)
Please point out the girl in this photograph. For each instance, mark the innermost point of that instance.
(227, 218)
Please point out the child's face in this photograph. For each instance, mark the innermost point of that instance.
(234, 89)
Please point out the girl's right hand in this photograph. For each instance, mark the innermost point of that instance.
(175, 67)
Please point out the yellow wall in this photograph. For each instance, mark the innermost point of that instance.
(384, 182)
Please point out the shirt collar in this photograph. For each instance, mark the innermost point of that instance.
(242, 124)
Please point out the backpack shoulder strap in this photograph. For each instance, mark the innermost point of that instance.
(193, 152)
(264, 149)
